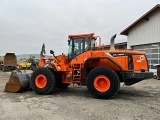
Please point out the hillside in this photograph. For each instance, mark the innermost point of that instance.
(26, 56)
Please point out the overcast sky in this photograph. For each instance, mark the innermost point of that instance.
(26, 24)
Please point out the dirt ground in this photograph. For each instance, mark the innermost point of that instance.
(137, 102)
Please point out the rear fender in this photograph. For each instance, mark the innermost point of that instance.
(98, 58)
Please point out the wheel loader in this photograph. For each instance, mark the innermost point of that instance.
(89, 64)
(1, 64)
(24, 64)
(9, 62)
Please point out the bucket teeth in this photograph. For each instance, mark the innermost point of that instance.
(18, 82)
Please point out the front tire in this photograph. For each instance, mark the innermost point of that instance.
(102, 82)
(43, 81)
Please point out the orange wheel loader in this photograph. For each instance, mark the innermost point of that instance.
(88, 63)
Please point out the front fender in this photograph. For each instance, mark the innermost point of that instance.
(50, 65)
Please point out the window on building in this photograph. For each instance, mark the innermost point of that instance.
(154, 61)
(154, 56)
(148, 51)
(152, 53)
(154, 50)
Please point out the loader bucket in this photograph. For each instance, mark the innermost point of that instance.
(18, 82)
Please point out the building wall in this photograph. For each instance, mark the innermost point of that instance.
(145, 32)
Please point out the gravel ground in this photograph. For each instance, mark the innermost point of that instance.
(137, 102)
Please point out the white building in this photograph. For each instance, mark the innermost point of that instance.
(144, 34)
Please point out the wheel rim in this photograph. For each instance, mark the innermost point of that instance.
(102, 83)
(41, 81)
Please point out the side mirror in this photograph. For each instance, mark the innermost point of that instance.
(51, 52)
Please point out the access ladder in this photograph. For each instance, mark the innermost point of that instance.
(77, 74)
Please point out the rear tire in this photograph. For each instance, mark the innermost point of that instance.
(43, 81)
(102, 82)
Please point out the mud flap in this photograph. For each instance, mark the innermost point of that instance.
(18, 82)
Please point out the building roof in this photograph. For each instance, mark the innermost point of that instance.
(144, 17)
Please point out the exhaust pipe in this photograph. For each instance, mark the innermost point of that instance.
(18, 82)
(112, 42)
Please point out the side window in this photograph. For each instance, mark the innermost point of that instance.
(86, 41)
(90, 44)
(93, 43)
(78, 45)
